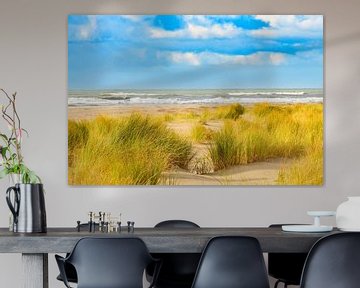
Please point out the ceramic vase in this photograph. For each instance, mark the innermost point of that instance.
(13, 179)
(348, 215)
(27, 204)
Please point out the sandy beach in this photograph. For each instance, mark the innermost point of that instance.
(90, 112)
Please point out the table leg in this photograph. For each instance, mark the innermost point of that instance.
(35, 270)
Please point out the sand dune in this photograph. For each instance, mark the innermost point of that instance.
(200, 171)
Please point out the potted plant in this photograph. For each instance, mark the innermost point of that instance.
(25, 197)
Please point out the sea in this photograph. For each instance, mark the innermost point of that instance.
(113, 97)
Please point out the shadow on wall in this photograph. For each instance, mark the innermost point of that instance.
(345, 39)
(342, 68)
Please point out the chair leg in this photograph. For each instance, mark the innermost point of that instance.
(278, 282)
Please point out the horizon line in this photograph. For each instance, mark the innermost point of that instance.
(257, 88)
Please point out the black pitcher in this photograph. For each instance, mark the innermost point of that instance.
(28, 208)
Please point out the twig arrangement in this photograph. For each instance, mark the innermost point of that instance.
(12, 160)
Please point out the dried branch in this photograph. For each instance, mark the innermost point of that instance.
(14, 123)
(12, 159)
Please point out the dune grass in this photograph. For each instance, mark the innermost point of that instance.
(305, 171)
(128, 151)
(200, 133)
(77, 137)
(233, 111)
(273, 131)
(138, 149)
(224, 149)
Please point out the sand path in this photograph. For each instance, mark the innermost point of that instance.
(259, 173)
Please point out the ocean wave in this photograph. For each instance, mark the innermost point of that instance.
(285, 93)
(219, 100)
(126, 94)
(96, 101)
(196, 96)
(89, 101)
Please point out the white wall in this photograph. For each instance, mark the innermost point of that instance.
(33, 62)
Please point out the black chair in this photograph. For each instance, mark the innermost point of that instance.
(69, 269)
(108, 263)
(286, 267)
(70, 273)
(178, 269)
(176, 224)
(333, 262)
(232, 262)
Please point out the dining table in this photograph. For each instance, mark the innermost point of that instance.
(35, 247)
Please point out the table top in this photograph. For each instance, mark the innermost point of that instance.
(158, 240)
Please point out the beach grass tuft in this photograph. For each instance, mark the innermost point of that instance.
(200, 133)
(78, 134)
(305, 171)
(224, 149)
(130, 150)
(77, 137)
(233, 111)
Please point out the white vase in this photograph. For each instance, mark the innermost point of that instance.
(348, 215)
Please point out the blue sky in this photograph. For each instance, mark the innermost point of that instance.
(195, 51)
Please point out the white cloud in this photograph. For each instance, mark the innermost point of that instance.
(217, 31)
(185, 58)
(197, 32)
(312, 23)
(97, 25)
(198, 27)
(277, 20)
(160, 33)
(276, 58)
(203, 27)
(85, 32)
(134, 18)
(290, 26)
(206, 20)
(311, 56)
(196, 59)
(197, 19)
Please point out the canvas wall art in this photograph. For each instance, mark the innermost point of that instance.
(195, 100)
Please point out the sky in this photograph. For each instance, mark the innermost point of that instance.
(195, 51)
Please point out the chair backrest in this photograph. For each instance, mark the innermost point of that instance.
(333, 262)
(286, 266)
(177, 268)
(110, 262)
(232, 262)
(176, 224)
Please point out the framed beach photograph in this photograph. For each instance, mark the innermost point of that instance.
(195, 100)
